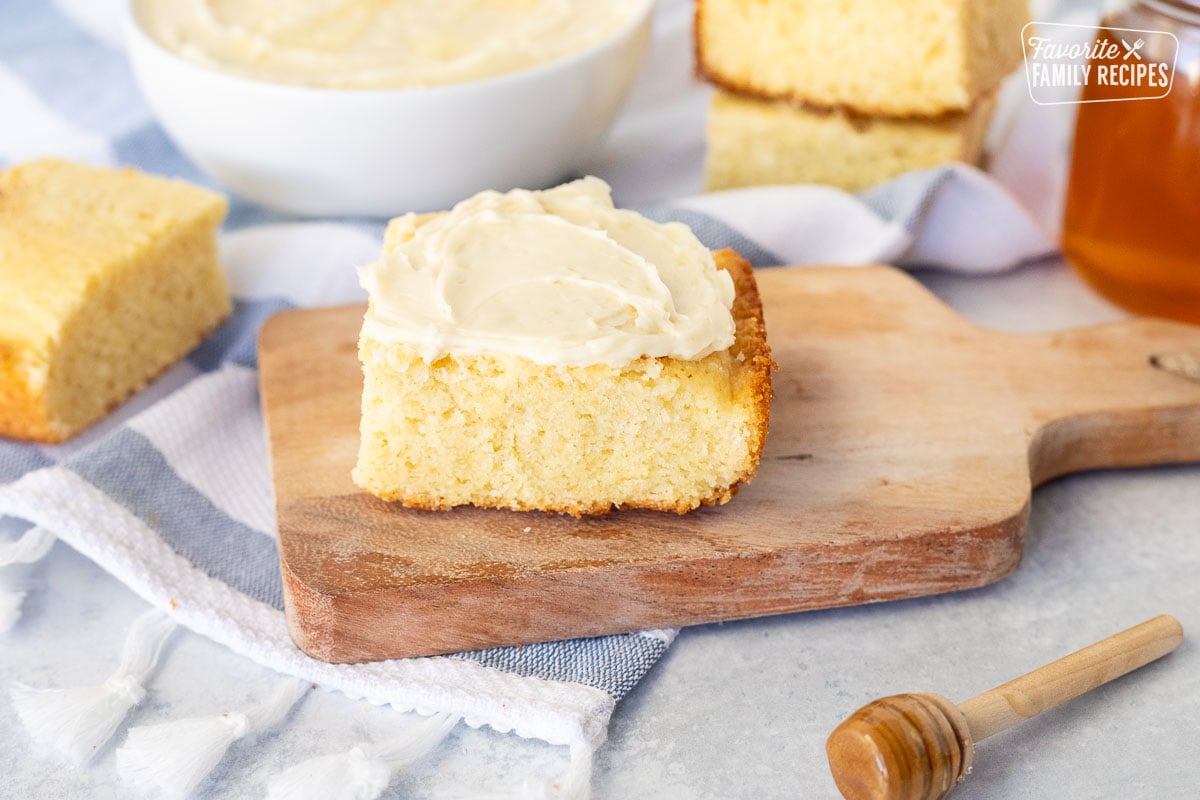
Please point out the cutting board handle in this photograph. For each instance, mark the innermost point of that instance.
(1116, 395)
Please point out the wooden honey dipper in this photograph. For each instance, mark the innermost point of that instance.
(920, 746)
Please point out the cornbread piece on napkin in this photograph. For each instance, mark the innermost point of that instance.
(107, 277)
(467, 425)
(916, 58)
(753, 142)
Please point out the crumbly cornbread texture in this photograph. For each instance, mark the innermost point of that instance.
(915, 58)
(753, 142)
(504, 432)
(107, 277)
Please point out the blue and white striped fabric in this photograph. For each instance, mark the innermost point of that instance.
(176, 502)
(171, 494)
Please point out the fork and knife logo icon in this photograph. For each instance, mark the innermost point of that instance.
(1132, 49)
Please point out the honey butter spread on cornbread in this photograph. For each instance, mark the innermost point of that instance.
(350, 44)
(107, 277)
(545, 350)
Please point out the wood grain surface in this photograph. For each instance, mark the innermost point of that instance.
(903, 446)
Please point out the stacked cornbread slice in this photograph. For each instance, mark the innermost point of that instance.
(107, 277)
(545, 350)
(850, 92)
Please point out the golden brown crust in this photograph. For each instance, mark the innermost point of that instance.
(24, 416)
(858, 113)
(76, 246)
(22, 411)
(750, 344)
(753, 378)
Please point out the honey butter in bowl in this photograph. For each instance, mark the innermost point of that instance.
(327, 108)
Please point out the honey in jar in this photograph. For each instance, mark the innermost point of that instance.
(1132, 225)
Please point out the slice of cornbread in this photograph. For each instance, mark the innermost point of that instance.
(755, 142)
(503, 432)
(915, 58)
(107, 277)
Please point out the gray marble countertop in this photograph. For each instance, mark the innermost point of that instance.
(742, 710)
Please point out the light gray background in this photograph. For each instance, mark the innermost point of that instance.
(742, 710)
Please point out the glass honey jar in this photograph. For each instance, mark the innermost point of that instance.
(1132, 224)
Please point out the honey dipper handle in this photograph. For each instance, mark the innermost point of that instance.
(1065, 679)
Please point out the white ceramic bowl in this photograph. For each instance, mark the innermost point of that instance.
(331, 152)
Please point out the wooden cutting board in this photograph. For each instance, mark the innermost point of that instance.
(903, 446)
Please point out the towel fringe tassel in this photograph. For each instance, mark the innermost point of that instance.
(175, 757)
(576, 782)
(362, 773)
(33, 546)
(77, 722)
(13, 587)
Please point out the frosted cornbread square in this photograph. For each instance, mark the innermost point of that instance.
(107, 277)
(755, 142)
(544, 350)
(916, 58)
